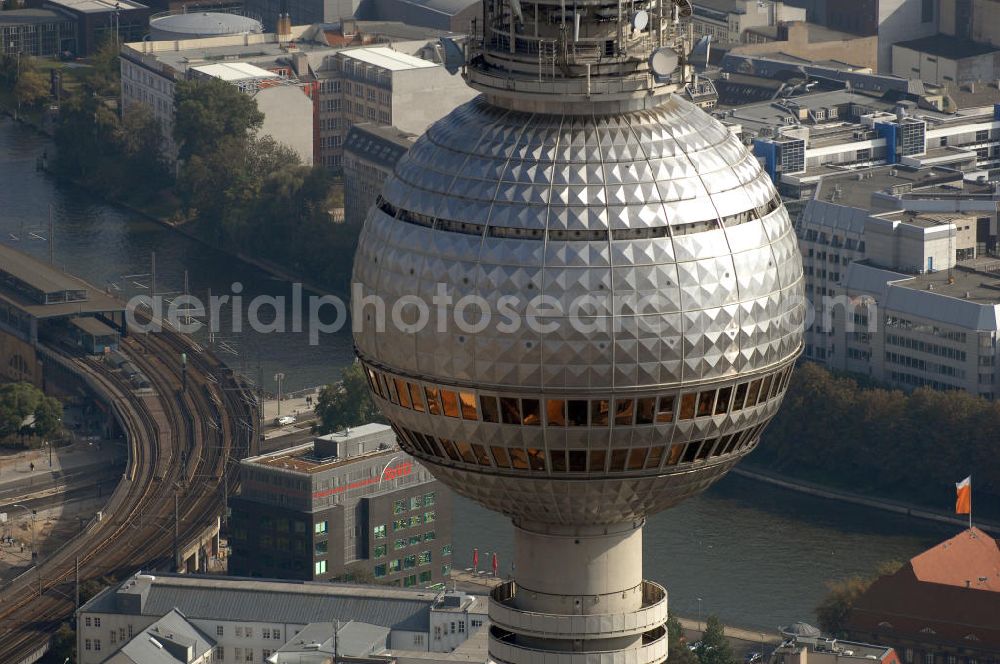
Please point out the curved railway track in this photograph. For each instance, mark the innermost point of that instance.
(181, 442)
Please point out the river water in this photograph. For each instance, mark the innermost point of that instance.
(756, 555)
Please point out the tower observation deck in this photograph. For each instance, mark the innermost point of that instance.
(613, 303)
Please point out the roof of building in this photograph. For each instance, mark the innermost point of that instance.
(97, 6)
(969, 559)
(234, 71)
(946, 46)
(164, 641)
(354, 639)
(45, 278)
(377, 143)
(921, 601)
(965, 298)
(30, 16)
(856, 188)
(90, 325)
(305, 458)
(259, 600)
(206, 23)
(387, 58)
(474, 649)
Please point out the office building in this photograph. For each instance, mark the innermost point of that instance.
(345, 82)
(451, 15)
(347, 505)
(940, 607)
(40, 33)
(100, 21)
(804, 644)
(892, 21)
(384, 86)
(728, 21)
(370, 153)
(226, 620)
(899, 271)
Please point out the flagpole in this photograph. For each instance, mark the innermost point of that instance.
(970, 502)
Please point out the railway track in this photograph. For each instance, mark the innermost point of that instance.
(182, 439)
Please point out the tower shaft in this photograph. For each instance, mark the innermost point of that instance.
(578, 597)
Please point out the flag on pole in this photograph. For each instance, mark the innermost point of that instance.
(496, 564)
(475, 559)
(963, 500)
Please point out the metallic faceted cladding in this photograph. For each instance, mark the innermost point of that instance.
(662, 215)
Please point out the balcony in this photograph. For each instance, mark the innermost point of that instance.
(503, 649)
(652, 614)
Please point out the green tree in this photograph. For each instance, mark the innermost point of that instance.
(62, 647)
(835, 609)
(346, 404)
(104, 76)
(209, 111)
(714, 647)
(25, 411)
(31, 86)
(678, 651)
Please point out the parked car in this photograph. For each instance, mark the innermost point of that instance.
(284, 420)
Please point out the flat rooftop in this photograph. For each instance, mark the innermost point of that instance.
(271, 601)
(44, 278)
(31, 17)
(952, 48)
(966, 282)
(234, 71)
(97, 6)
(367, 444)
(855, 188)
(387, 58)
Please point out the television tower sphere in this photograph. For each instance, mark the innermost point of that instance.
(578, 301)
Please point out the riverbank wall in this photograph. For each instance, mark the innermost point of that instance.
(896, 507)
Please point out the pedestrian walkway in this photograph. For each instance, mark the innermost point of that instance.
(300, 407)
(26, 469)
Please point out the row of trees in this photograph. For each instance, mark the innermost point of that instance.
(27, 416)
(21, 76)
(868, 439)
(241, 189)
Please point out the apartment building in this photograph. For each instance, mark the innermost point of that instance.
(226, 620)
(370, 154)
(348, 504)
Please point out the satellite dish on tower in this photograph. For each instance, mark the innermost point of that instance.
(640, 20)
(664, 62)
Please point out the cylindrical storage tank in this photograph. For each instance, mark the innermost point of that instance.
(172, 27)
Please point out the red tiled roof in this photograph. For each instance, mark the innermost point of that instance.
(927, 600)
(971, 559)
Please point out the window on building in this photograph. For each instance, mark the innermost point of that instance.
(446, 550)
(276, 633)
(239, 632)
(461, 627)
(380, 551)
(321, 527)
(429, 517)
(219, 630)
(424, 558)
(380, 570)
(398, 507)
(379, 531)
(219, 654)
(927, 11)
(428, 499)
(320, 568)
